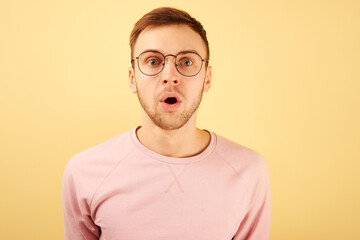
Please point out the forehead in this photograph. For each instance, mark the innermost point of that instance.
(170, 39)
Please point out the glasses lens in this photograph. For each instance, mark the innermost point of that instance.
(188, 64)
(151, 63)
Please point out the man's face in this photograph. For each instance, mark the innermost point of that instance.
(169, 99)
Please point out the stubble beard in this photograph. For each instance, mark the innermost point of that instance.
(168, 124)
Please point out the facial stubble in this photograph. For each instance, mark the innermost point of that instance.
(165, 124)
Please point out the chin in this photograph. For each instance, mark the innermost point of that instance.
(170, 125)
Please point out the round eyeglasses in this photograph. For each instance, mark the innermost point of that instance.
(152, 63)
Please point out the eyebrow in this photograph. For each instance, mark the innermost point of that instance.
(185, 51)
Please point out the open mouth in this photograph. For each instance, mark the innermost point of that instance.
(171, 100)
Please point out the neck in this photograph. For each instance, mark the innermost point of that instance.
(183, 142)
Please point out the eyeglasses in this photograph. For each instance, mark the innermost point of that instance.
(187, 64)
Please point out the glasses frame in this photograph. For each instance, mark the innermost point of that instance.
(163, 65)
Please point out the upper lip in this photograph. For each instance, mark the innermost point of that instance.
(170, 95)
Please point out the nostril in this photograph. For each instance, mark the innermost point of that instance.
(174, 81)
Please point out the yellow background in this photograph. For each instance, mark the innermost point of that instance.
(285, 83)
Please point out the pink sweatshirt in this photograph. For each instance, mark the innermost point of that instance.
(120, 190)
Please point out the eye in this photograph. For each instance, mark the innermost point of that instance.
(153, 62)
(186, 62)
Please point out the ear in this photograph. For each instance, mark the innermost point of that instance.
(132, 81)
(207, 82)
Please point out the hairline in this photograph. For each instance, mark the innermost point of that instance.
(207, 50)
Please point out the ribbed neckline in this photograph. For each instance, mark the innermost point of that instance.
(156, 156)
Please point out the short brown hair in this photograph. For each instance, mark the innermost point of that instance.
(167, 16)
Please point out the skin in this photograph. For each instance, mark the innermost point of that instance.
(170, 133)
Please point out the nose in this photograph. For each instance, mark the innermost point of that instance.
(170, 74)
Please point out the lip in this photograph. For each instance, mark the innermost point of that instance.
(167, 106)
(170, 94)
(170, 107)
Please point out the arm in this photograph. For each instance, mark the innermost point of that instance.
(256, 223)
(76, 210)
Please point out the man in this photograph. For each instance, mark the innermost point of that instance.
(167, 179)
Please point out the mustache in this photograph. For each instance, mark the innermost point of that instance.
(170, 89)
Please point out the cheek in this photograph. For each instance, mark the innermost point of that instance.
(197, 86)
(146, 89)
(192, 92)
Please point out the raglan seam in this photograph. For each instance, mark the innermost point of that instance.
(247, 185)
(106, 176)
(232, 167)
(258, 157)
(261, 178)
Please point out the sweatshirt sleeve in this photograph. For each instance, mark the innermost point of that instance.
(256, 223)
(76, 210)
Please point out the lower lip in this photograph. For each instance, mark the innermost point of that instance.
(170, 107)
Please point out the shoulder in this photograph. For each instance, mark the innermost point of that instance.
(88, 167)
(103, 152)
(246, 162)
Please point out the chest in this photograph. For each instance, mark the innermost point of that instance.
(176, 204)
